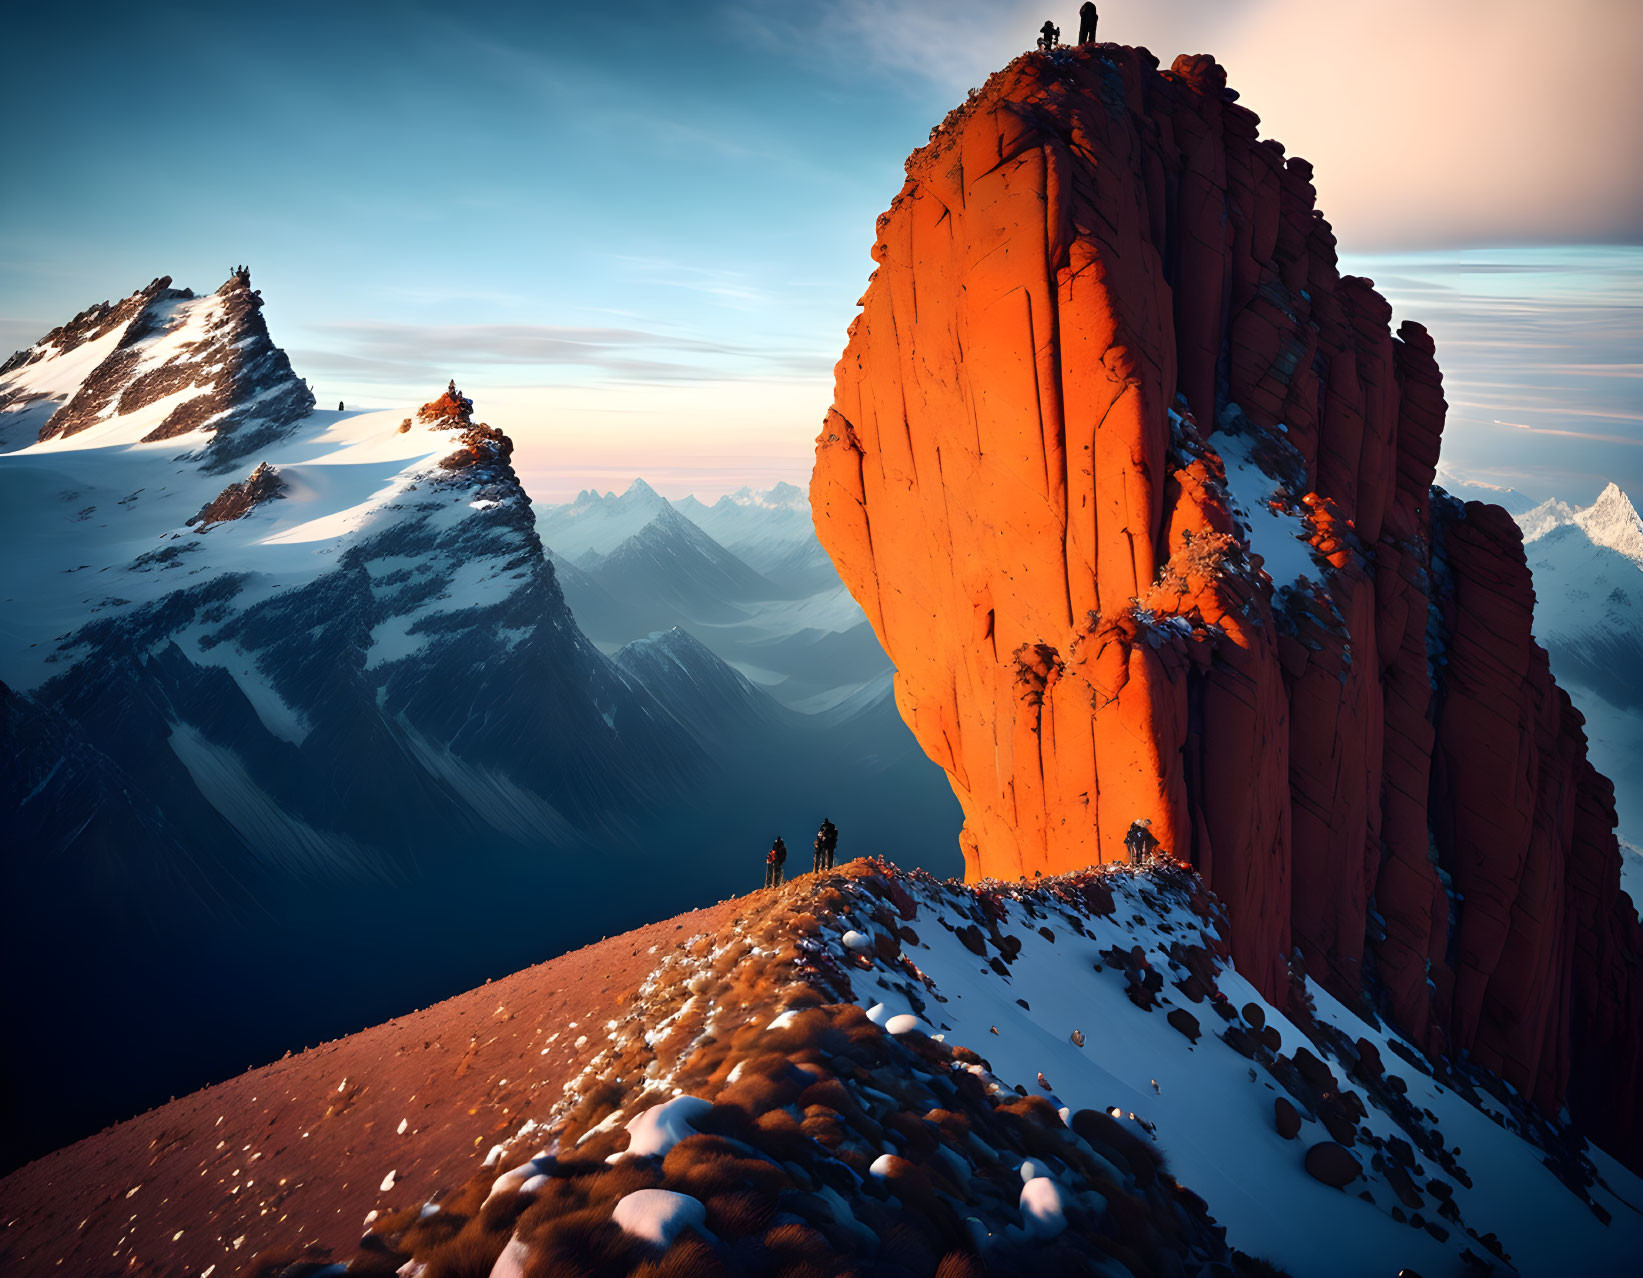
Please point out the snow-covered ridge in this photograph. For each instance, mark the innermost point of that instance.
(1099, 1010)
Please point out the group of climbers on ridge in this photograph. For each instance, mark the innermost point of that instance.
(826, 843)
(1049, 35)
(1140, 843)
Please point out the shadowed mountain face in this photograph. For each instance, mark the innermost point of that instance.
(1135, 488)
(257, 715)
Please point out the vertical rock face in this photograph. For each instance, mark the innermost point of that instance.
(1135, 488)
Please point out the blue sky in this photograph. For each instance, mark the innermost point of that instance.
(637, 235)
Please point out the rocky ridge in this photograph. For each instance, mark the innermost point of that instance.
(1135, 488)
(189, 364)
(876, 1070)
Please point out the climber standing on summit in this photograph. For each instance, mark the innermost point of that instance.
(827, 838)
(1086, 22)
(774, 860)
(1049, 35)
(1140, 841)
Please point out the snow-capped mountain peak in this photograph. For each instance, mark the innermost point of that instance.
(595, 524)
(1543, 518)
(783, 496)
(162, 365)
(1589, 615)
(1613, 521)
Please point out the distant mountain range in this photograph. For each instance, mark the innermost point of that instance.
(746, 576)
(276, 681)
(1588, 570)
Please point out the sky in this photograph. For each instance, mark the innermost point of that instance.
(636, 235)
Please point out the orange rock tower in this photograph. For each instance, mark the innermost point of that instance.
(1135, 488)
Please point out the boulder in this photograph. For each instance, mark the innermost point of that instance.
(1332, 1164)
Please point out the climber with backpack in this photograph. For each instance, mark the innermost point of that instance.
(1049, 35)
(774, 860)
(1140, 842)
(827, 838)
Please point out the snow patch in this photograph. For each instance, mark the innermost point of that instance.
(658, 1129)
(659, 1215)
(1043, 1209)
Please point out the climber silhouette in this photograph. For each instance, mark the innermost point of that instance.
(1140, 842)
(1086, 22)
(774, 860)
(1049, 35)
(827, 838)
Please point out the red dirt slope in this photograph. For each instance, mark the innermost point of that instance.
(300, 1148)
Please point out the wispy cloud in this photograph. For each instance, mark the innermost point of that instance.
(514, 343)
(1572, 434)
(396, 353)
(725, 285)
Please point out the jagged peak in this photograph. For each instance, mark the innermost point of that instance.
(239, 281)
(1612, 521)
(482, 443)
(639, 492)
(1542, 519)
(205, 364)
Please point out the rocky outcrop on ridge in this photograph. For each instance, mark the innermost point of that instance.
(239, 499)
(1135, 488)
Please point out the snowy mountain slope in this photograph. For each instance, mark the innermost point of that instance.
(903, 1069)
(1588, 570)
(160, 365)
(264, 666)
(1542, 519)
(1418, 1144)
(1588, 573)
(389, 590)
(248, 706)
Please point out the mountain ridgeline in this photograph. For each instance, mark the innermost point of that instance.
(1136, 489)
(278, 681)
